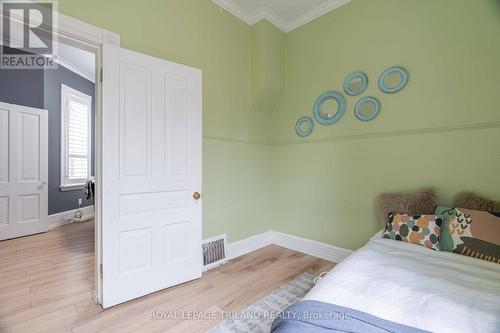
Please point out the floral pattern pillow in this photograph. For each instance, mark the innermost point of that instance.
(424, 230)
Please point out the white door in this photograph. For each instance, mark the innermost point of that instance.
(151, 160)
(23, 171)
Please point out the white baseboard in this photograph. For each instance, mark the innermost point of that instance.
(311, 247)
(59, 219)
(249, 244)
(299, 244)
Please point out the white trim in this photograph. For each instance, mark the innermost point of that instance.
(81, 31)
(248, 245)
(71, 187)
(295, 243)
(236, 11)
(264, 13)
(86, 75)
(59, 219)
(315, 13)
(311, 247)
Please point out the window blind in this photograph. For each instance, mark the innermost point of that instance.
(76, 108)
(78, 139)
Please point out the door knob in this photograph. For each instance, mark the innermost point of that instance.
(43, 186)
(196, 196)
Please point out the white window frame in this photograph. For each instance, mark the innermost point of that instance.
(66, 184)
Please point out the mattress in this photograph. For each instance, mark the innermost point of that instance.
(415, 286)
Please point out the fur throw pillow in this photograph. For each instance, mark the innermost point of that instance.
(421, 202)
(469, 200)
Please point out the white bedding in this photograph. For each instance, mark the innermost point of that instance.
(415, 286)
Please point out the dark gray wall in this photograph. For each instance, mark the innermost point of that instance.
(22, 86)
(53, 78)
(42, 89)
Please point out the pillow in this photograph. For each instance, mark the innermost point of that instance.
(447, 213)
(419, 229)
(420, 202)
(470, 232)
(469, 200)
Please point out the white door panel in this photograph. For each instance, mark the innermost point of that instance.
(151, 225)
(23, 171)
(4, 146)
(28, 162)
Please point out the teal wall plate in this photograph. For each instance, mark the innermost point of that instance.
(340, 111)
(304, 126)
(375, 109)
(349, 80)
(404, 77)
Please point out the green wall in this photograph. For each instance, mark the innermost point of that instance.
(443, 130)
(267, 72)
(236, 167)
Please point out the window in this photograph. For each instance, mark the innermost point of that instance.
(76, 161)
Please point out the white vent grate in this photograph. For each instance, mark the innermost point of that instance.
(214, 252)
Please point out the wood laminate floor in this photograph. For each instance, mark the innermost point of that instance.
(46, 284)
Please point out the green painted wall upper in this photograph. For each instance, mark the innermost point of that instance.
(325, 185)
(196, 33)
(267, 72)
(450, 48)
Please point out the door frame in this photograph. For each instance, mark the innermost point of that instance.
(91, 38)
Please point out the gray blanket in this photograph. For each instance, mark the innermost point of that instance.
(316, 317)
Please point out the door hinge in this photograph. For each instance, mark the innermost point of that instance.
(100, 74)
(100, 269)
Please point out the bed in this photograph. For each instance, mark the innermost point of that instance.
(391, 286)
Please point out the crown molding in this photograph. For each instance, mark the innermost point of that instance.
(75, 69)
(315, 13)
(236, 11)
(266, 13)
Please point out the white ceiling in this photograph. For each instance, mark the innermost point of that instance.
(286, 15)
(79, 61)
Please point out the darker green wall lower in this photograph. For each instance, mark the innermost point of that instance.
(326, 191)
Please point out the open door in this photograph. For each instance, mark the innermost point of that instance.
(151, 174)
(23, 171)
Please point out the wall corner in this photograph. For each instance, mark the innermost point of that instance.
(267, 66)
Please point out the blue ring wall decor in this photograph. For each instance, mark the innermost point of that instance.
(352, 76)
(299, 123)
(359, 104)
(340, 111)
(404, 80)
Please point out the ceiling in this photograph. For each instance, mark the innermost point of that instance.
(286, 15)
(79, 61)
